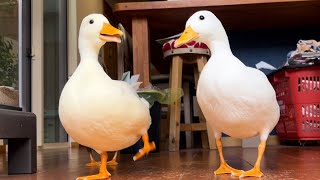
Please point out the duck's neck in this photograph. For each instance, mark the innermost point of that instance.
(220, 49)
(220, 46)
(89, 57)
(88, 50)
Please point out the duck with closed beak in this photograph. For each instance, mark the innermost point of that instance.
(235, 99)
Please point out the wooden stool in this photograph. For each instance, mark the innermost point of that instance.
(192, 53)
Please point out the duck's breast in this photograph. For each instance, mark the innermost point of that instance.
(237, 100)
(106, 117)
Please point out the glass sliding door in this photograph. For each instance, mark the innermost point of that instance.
(9, 53)
(15, 58)
(55, 67)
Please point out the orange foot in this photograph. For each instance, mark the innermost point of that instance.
(148, 147)
(226, 169)
(93, 164)
(254, 172)
(113, 162)
(104, 175)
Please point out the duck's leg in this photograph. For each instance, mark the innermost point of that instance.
(103, 172)
(224, 167)
(92, 162)
(148, 147)
(255, 171)
(113, 162)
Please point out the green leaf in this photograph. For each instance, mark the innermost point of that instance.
(8, 64)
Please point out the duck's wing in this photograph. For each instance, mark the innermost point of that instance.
(126, 88)
(259, 83)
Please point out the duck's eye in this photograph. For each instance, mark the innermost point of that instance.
(91, 21)
(201, 17)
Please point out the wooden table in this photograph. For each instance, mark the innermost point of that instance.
(147, 21)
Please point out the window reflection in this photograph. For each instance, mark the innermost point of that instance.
(55, 63)
(9, 53)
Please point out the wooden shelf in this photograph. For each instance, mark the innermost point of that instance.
(168, 17)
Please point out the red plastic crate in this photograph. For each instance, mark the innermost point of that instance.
(298, 95)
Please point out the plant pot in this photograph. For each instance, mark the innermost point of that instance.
(9, 96)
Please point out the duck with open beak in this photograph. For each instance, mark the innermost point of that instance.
(109, 33)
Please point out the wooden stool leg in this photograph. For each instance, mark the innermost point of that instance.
(201, 62)
(166, 124)
(187, 112)
(175, 84)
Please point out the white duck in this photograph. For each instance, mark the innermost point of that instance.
(96, 111)
(235, 99)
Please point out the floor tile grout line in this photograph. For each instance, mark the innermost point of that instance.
(193, 156)
(247, 162)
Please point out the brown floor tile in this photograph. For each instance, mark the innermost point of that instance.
(281, 162)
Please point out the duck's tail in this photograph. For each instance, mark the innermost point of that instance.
(136, 85)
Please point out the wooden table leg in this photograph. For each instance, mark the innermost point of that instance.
(22, 156)
(141, 49)
(20, 130)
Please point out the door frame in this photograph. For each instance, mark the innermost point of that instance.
(37, 93)
(24, 26)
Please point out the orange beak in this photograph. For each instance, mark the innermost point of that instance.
(109, 33)
(188, 35)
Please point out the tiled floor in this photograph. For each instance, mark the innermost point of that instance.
(287, 163)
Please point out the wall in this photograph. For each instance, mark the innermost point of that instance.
(78, 9)
(85, 7)
(271, 46)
